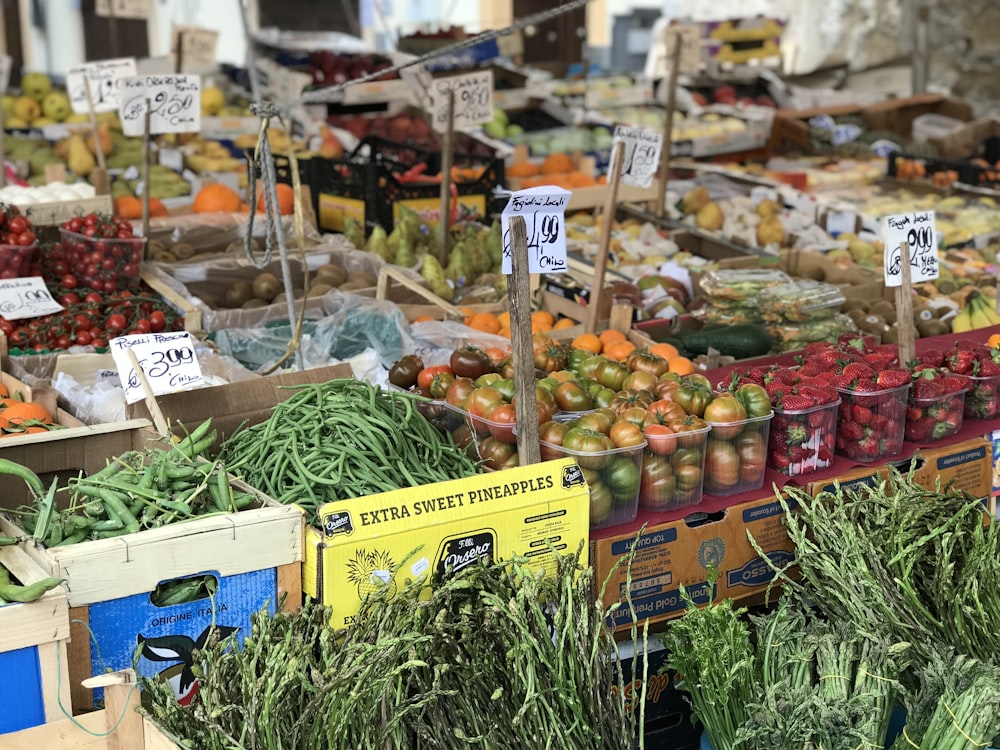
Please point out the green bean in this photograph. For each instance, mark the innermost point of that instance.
(116, 507)
(75, 538)
(11, 592)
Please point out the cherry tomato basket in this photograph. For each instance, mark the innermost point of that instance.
(19, 261)
(102, 263)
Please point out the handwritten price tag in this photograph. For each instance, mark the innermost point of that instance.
(917, 231)
(689, 38)
(122, 8)
(641, 155)
(26, 298)
(104, 77)
(473, 100)
(175, 104)
(167, 359)
(196, 46)
(543, 210)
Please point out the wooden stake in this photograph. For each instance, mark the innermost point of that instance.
(601, 261)
(447, 154)
(3, 153)
(99, 152)
(180, 52)
(121, 698)
(668, 129)
(904, 309)
(159, 421)
(146, 169)
(519, 296)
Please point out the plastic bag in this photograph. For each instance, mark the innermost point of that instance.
(212, 234)
(434, 340)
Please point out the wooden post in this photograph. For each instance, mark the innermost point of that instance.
(112, 29)
(519, 296)
(159, 421)
(99, 152)
(179, 60)
(3, 153)
(601, 261)
(668, 128)
(121, 698)
(904, 309)
(146, 169)
(447, 154)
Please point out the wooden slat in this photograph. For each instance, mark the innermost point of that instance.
(235, 543)
(80, 661)
(53, 661)
(155, 738)
(62, 735)
(192, 315)
(290, 586)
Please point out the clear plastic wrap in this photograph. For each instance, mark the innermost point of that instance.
(212, 234)
(741, 283)
(800, 301)
(792, 336)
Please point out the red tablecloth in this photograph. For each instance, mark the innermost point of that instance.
(710, 504)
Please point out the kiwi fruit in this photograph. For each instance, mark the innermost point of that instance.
(882, 307)
(266, 286)
(352, 286)
(924, 312)
(363, 278)
(857, 315)
(890, 336)
(155, 245)
(183, 250)
(332, 271)
(853, 303)
(238, 293)
(932, 327)
(279, 300)
(323, 281)
(318, 290)
(873, 324)
(163, 256)
(253, 303)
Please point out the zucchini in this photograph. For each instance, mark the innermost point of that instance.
(739, 341)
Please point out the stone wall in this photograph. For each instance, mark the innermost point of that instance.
(964, 39)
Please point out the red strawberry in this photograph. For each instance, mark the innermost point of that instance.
(845, 382)
(961, 361)
(932, 357)
(953, 384)
(800, 454)
(824, 454)
(868, 448)
(775, 390)
(818, 395)
(851, 431)
(892, 379)
(919, 429)
(988, 369)
(780, 461)
(861, 414)
(866, 386)
(792, 402)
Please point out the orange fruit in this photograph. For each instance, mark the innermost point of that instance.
(610, 336)
(422, 319)
(619, 350)
(484, 321)
(564, 323)
(543, 317)
(994, 341)
(665, 350)
(4, 393)
(682, 365)
(588, 342)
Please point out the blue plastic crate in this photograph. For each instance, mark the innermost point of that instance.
(21, 690)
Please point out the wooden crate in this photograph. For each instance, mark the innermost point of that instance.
(192, 315)
(417, 301)
(118, 727)
(33, 632)
(116, 576)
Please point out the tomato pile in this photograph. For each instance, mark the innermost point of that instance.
(101, 253)
(19, 254)
(639, 432)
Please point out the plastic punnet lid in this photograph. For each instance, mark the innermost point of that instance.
(801, 301)
(742, 283)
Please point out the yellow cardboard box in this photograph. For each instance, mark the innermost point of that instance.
(680, 553)
(526, 511)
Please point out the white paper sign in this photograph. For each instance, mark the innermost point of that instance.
(916, 230)
(641, 154)
(26, 298)
(760, 193)
(196, 46)
(5, 65)
(104, 77)
(840, 222)
(543, 209)
(167, 359)
(473, 100)
(689, 37)
(122, 8)
(172, 158)
(175, 104)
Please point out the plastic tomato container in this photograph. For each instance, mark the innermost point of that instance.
(982, 400)
(736, 455)
(104, 264)
(19, 261)
(493, 443)
(930, 419)
(673, 471)
(871, 426)
(613, 476)
(802, 442)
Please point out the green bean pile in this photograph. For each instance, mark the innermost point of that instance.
(12, 592)
(343, 439)
(494, 658)
(137, 490)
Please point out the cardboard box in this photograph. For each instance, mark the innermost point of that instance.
(678, 553)
(33, 639)
(668, 712)
(520, 511)
(254, 555)
(231, 405)
(861, 476)
(898, 115)
(968, 465)
(965, 142)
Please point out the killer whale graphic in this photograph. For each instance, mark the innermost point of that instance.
(180, 648)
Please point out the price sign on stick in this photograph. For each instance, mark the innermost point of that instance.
(641, 154)
(473, 100)
(122, 8)
(175, 104)
(543, 210)
(167, 359)
(26, 298)
(195, 45)
(689, 39)
(104, 77)
(915, 230)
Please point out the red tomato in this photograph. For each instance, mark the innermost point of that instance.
(142, 326)
(425, 376)
(26, 238)
(83, 337)
(501, 423)
(94, 298)
(660, 439)
(157, 321)
(625, 434)
(17, 225)
(116, 322)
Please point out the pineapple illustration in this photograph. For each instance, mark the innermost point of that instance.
(370, 570)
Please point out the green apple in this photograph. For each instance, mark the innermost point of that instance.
(56, 106)
(36, 85)
(500, 116)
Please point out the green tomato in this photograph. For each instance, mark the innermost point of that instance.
(754, 399)
(622, 476)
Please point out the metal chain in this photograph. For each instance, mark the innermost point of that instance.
(324, 95)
